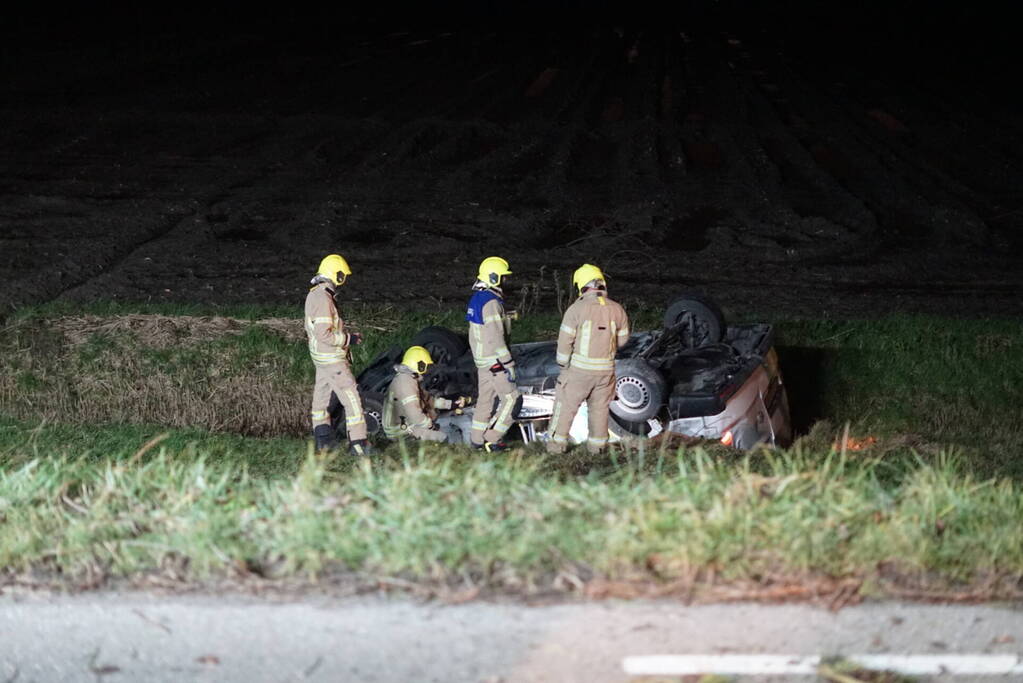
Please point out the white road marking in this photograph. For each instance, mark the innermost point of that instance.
(911, 665)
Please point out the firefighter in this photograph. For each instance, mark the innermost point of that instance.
(329, 346)
(591, 332)
(408, 409)
(495, 368)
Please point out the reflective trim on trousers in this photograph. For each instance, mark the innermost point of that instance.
(555, 417)
(353, 398)
(502, 421)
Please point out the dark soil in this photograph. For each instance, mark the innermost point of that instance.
(780, 175)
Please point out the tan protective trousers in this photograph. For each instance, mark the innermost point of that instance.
(489, 423)
(574, 386)
(338, 378)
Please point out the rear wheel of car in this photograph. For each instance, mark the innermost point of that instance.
(639, 394)
(698, 320)
(445, 346)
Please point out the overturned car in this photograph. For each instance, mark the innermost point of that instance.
(695, 377)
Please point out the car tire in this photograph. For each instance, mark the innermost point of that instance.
(378, 374)
(626, 430)
(372, 411)
(444, 345)
(640, 391)
(706, 322)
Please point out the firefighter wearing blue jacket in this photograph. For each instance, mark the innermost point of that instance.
(495, 367)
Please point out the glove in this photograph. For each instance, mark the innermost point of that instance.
(510, 369)
(462, 401)
(354, 338)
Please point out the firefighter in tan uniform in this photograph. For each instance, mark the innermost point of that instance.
(408, 409)
(591, 332)
(329, 347)
(495, 367)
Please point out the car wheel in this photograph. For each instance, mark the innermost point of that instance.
(626, 430)
(445, 346)
(639, 393)
(699, 320)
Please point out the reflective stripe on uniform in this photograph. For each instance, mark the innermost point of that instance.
(335, 355)
(409, 399)
(597, 442)
(477, 335)
(353, 399)
(602, 300)
(562, 358)
(318, 415)
(586, 363)
(493, 319)
(567, 330)
(584, 337)
(582, 361)
(555, 416)
(502, 421)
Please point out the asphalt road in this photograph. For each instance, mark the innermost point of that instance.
(128, 637)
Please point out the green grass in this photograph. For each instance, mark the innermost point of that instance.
(929, 381)
(203, 504)
(935, 501)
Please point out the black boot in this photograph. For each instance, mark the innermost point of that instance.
(360, 447)
(323, 438)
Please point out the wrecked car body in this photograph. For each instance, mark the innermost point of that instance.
(695, 377)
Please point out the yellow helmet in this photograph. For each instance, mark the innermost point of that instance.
(417, 359)
(334, 268)
(585, 274)
(492, 269)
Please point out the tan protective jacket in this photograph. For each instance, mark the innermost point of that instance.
(487, 337)
(591, 332)
(407, 403)
(328, 341)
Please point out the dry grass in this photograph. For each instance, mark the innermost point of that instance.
(163, 331)
(217, 373)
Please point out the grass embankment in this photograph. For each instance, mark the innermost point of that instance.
(792, 525)
(79, 502)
